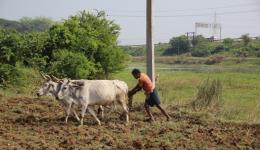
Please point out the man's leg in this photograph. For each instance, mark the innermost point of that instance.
(163, 112)
(146, 106)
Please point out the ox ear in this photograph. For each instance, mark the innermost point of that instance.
(74, 85)
(79, 83)
(54, 79)
(61, 81)
(69, 81)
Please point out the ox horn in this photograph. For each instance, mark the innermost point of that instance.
(43, 76)
(54, 78)
(48, 77)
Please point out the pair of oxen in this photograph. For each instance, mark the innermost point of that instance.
(85, 94)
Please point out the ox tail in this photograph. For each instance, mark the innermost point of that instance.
(122, 86)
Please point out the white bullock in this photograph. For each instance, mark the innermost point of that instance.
(51, 87)
(95, 92)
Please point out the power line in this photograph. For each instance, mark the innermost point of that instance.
(207, 8)
(191, 9)
(186, 15)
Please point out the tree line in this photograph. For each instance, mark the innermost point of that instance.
(82, 46)
(199, 46)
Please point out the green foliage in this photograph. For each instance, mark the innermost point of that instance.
(94, 36)
(160, 48)
(134, 50)
(39, 24)
(228, 42)
(8, 74)
(179, 45)
(209, 94)
(9, 45)
(31, 49)
(219, 48)
(140, 50)
(201, 50)
(8, 24)
(246, 39)
(72, 64)
(198, 39)
(27, 24)
(83, 46)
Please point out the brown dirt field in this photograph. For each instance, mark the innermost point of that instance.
(33, 123)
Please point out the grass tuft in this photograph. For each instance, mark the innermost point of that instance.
(209, 94)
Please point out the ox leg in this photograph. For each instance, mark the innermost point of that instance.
(64, 107)
(68, 113)
(83, 111)
(101, 110)
(125, 109)
(92, 112)
(75, 113)
(114, 106)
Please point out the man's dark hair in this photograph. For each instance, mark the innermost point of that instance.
(136, 71)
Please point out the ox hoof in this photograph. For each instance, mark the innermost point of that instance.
(80, 125)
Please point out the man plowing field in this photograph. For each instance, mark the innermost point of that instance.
(152, 98)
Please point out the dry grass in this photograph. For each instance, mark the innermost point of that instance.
(209, 94)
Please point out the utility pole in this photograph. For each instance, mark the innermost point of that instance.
(149, 41)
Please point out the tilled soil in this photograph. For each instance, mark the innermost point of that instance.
(38, 123)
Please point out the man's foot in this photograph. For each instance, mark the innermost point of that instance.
(149, 120)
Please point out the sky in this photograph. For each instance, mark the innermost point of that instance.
(171, 17)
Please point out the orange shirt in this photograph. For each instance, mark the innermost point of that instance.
(145, 82)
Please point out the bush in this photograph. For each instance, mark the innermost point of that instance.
(241, 53)
(89, 35)
(218, 49)
(201, 50)
(209, 94)
(200, 53)
(73, 65)
(8, 74)
(257, 54)
(178, 45)
(214, 59)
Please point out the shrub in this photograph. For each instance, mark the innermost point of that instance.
(92, 35)
(8, 74)
(257, 54)
(218, 49)
(241, 53)
(200, 53)
(72, 65)
(214, 59)
(178, 45)
(209, 94)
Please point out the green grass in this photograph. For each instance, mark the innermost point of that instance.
(27, 83)
(241, 96)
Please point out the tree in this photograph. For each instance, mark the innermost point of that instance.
(36, 24)
(228, 42)
(31, 50)
(201, 50)
(198, 39)
(27, 24)
(246, 39)
(91, 34)
(9, 45)
(72, 64)
(179, 45)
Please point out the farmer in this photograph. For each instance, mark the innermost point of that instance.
(152, 97)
